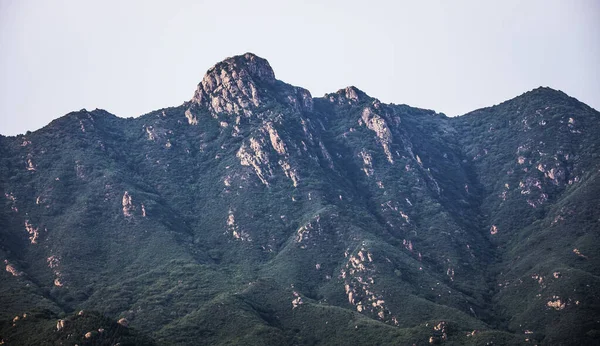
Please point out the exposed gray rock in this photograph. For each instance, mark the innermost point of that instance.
(237, 86)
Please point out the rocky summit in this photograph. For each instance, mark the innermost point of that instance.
(255, 214)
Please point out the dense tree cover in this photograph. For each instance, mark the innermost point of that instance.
(348, 221)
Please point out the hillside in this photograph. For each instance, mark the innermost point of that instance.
(256, 214)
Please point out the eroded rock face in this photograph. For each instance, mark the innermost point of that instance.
(376, 123)
(127, 204)
(32, 231)
(367, 163)
(348, 95)
(237, 86)
(60, 324)
(11, 269)
(234, 229)
(359, 286)
(231, 86)
(254, 155)
(300, 99)
(191, 118)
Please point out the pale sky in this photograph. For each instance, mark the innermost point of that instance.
(132, 57)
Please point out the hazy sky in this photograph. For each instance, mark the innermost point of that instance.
(132, 57)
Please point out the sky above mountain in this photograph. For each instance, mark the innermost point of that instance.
(134, 57)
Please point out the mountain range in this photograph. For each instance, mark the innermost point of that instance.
(256, 214)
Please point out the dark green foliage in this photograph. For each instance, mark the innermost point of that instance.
(206, 252)
(83, 328)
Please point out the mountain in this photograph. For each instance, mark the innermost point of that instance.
(255, 214)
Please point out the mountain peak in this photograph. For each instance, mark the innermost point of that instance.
(544, 93)
(258, 68)
(541, 97)
(350, 94)
(230, 86)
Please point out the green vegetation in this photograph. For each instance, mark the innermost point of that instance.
(404, 227)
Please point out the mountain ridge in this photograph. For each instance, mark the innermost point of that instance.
(294, 211)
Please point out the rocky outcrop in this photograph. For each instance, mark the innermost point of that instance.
(348, 95)
(300, 99)
(11, 269)
(231, 85)
(32, 231)
(376, 123)
(237, 86)
(367, 163)
(60, 324)
(254, 155)
(191, 118)
(127, 204)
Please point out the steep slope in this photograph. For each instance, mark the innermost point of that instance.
(536, 157)
(255, 214)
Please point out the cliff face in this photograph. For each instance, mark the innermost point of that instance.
(256, 214)
(241, 84)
